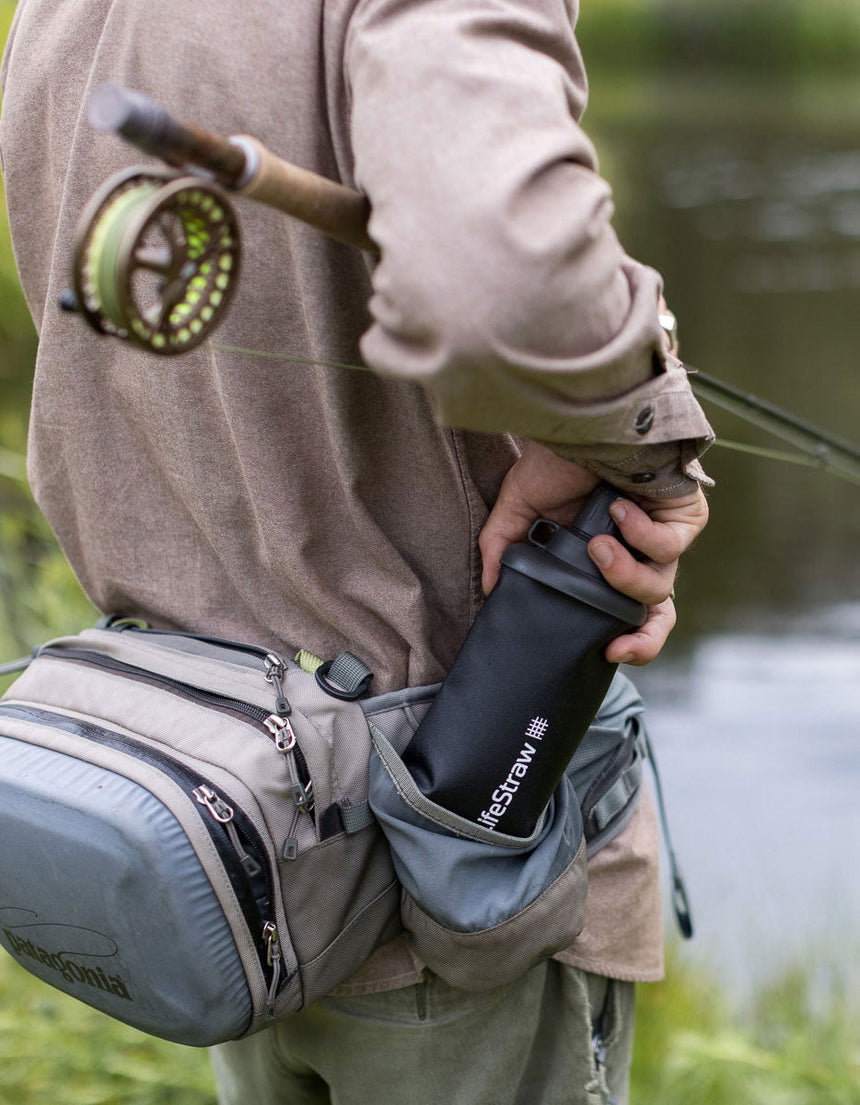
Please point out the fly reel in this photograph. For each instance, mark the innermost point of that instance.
(157, 259)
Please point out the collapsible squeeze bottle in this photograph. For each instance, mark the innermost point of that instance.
(528, 680)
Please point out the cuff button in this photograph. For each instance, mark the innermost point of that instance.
(643, 477)
(644, 421)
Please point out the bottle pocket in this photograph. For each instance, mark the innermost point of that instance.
(481, 907)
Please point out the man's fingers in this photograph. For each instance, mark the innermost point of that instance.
(662, 531)
(644, 644)
(646, 582)
(507, 522)
(492, 544)
(539, 484)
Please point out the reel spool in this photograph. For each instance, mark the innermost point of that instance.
(156, 260)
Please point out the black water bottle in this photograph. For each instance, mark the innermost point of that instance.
(528, 680)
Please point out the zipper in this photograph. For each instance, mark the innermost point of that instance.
(274, 959)
(254, 893)
(219, 642)
(290, 848)
(275, 671)
(223, 814)
(281, 731)
(271, 724)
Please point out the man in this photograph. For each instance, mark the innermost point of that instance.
(308, 506)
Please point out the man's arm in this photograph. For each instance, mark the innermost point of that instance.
(501, 285)
(503, 289)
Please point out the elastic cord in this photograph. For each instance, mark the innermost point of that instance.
(680, 897)
(15, 665)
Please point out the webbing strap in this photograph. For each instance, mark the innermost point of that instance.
(680, 898)
(347, 672)
(618, 795)
(356, 817)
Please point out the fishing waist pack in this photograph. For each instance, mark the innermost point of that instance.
(200, 837)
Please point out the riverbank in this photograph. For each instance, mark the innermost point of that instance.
(732, 156)
(691, 1047)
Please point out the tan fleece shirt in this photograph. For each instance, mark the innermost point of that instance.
(299, 505)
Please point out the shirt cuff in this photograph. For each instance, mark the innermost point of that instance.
(647, 441)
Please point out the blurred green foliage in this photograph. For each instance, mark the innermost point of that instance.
(797, 1044)
(691, 1048)
(749, 36)
(55, 1049)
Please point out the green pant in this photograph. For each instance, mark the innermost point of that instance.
(556, 1036)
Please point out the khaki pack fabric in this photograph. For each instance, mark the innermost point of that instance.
(191, 846)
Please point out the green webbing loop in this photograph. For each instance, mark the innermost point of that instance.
(307, 661)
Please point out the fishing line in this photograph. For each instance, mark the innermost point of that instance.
(800, 459)
(292, 359)
(817, 449)
(13, 465)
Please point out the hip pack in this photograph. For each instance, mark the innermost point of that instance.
(201, 837)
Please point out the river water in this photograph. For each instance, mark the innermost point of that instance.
(747, 198)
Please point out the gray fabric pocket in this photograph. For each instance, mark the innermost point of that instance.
(480, 907)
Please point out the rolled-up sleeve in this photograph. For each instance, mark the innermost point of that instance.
(501, 285)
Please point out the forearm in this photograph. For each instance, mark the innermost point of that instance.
(501, 285)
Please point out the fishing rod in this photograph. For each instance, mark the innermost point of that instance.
(157, 253)
(818, 449)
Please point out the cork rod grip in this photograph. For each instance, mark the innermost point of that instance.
(338, 211)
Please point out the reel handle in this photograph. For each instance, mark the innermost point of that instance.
(241, 164)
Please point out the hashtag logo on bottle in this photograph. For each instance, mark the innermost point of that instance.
(537, 727)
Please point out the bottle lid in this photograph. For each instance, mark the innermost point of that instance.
(557, 556)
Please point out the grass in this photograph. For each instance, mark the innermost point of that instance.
(793, 1046)
(54, 1049)
(691, 1048)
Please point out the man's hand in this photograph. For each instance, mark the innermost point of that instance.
(543, 485)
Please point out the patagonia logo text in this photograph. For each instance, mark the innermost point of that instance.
(69, 969)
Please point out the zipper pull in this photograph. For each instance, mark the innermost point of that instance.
(284, 736)
(290, 847)
(273, 959)
(598, 1047)
(275, 669)
(216, 805)
(223, 814)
